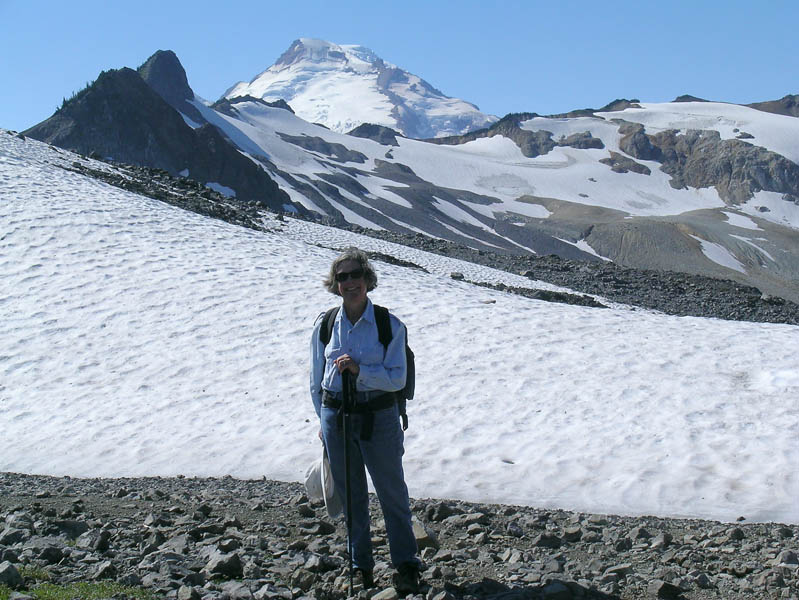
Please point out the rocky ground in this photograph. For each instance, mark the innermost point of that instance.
(224, 538)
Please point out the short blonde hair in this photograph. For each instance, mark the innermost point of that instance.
(357, 255)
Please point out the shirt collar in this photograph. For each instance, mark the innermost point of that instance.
(368, 313)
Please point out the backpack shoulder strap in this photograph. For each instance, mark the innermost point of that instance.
(326, 330)
(383, 325)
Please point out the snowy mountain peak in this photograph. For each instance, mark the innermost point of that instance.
(320, 52)
(344, 86)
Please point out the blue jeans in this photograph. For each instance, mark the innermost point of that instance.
(382, 455)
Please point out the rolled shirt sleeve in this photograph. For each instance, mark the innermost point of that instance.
(390, 375)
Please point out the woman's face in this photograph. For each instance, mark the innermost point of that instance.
(353, 288)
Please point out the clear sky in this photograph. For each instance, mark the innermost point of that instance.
(511, 56)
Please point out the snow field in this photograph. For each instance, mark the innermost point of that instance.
(139, 339)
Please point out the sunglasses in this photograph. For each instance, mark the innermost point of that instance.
(342, 277)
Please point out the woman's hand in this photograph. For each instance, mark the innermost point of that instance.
(346, 363)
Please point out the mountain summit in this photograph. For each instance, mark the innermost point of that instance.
(344, 86)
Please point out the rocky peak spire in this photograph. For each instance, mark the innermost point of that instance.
(164, 74)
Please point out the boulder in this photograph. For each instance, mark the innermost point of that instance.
(425, 537)
(72, 528)
(226, 565)
(12, 535)
(546, 540)
(95, 540)
(303, 579)
(663, 589)
(105, 570)
(9, 576)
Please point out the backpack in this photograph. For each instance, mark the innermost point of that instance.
(385, 336)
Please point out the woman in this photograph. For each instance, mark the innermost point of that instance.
(375, 436)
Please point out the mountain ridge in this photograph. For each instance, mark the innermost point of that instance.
(121, 117)
(681, 186)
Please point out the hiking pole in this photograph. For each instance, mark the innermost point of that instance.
(347, 401)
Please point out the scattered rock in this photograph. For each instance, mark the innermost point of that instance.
(94, 540)
(272, 554)
(227, 565)
(10, 536)
(387, 594)
(662, 589)
(545, 540)
(9, 576)
(105, 570)
(425, 536)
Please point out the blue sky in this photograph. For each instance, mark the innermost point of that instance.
(512, 56)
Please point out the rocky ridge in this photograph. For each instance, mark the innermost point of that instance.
(190, 538)
(178, 191)
(699, 159)
(123, 118)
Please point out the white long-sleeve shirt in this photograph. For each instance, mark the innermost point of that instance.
(379, 369)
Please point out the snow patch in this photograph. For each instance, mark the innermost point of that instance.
(222, 189)
(755, 246)
(191, 123)
(739, 220)
(720, 255)
(771, 206)
(585, 247)
(458, 214)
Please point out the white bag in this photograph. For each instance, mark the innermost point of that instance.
(320, 487)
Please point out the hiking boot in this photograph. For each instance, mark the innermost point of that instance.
(366, 577)
(406, 579)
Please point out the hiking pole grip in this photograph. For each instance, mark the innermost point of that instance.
(347, 400)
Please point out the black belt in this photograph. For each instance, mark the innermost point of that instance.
(364, 401)
(368, 405)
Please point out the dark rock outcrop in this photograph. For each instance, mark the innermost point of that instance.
(737, 169)
(689, 98)
(383, 135)
(228, 105)
(614, 106)
(337, 152)
(582, 141)
(700, 158)
(624, 164)
(531, 143)
(636, 143)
